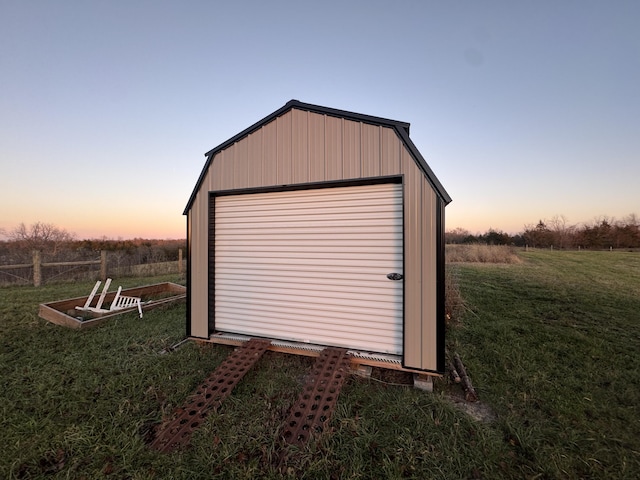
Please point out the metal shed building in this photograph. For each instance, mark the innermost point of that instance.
(317, 226)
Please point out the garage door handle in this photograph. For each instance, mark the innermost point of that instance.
(394, 276)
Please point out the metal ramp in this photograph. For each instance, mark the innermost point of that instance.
(209, 396)
(309, 415)
(312, 411)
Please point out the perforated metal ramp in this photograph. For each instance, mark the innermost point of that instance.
(209, 396)
(312, 411)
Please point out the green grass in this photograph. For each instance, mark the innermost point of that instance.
(551, 345)
(554, 347)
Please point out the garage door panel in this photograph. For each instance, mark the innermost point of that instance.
(313, 289)
(384, 229)
(293, 281)
(330, 198)
(311, 266)
(327, 336)
(279, 316)
(301, 209)
(308, 295)
(318, 261)
(318, 225)
(300, 269)
(368, 312)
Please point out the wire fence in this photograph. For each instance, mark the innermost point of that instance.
(46, 268)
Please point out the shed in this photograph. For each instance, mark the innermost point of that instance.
(320, 227)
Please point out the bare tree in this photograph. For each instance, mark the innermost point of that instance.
(562, 232)
(40, 236)
(457, 235)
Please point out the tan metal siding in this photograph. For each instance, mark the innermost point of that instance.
(241, 165)
(351, 138)
(334, 141)
(390, 147)
(255, 161)
(226, 167)
(413, 272)
(270, 154)
(199, 285)
(283, 160)
(215, 178)
(370, 150)
(300, 147)
(318, 147)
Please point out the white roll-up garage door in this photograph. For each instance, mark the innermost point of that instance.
(311, 266)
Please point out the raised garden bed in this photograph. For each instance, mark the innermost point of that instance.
(63, 312)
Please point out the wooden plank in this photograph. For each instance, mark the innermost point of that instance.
(91, 295)
(71, 264)
(291, 350)
(103, 294)
(12, 267)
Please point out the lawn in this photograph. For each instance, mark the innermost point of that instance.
(551, 345)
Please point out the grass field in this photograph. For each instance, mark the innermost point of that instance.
(551, 344)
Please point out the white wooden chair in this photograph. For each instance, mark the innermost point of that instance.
(120, 302)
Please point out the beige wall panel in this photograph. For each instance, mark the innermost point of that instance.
(241, 164)
(300, 146)
(413, 271)
(269, 154)
(319, 139)
(255, 173)
(285, 172)
(199, 286)
(214, 174)
(351, 139)
(225, 168)
(429, 277)
(333, 148)
(370, 148)
(390, 147)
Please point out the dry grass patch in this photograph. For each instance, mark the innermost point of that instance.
(477, 253)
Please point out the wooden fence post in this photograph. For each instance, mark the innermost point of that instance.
(103, 265)
(180, 261)
(37, 268)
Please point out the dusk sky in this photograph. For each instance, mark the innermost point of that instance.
(523, 110)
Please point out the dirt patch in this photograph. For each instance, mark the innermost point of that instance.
(479, 411)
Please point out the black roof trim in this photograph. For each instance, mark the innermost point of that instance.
(422, 163)
(402, 128)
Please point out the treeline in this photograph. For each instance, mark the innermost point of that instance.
(58, 245)
(136, 251)
(557, 232)
(146, 250)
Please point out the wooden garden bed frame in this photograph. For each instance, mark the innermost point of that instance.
(58, 312)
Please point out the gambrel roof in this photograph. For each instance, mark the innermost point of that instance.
(401, 129)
